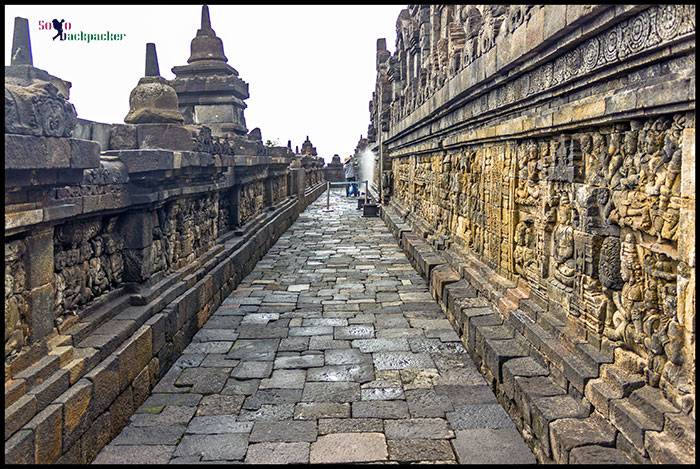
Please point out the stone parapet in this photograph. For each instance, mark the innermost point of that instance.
(120, 239)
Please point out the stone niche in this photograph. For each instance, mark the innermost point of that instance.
(567, 176)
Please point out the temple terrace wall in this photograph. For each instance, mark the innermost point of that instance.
(540, 162)
(120, 242)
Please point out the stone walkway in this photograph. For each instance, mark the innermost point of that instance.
(331, 350)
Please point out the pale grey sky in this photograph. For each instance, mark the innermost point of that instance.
(310, 68)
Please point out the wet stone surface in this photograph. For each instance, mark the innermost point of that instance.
(330, 350)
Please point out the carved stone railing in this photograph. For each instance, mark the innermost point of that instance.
(559, 156)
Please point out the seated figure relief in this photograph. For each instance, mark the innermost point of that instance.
(564, 244)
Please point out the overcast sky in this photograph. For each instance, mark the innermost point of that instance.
(310, 69)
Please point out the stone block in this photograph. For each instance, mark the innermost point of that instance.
(567, 434)
(496, 352)
(440, 277)
(41, 300)
(137, 229)
(19, 414)
(105, 379)
(674, 445)
(547, 409)
(349, 448)
(288, 431)
(95, 438)
(428, 428)
(14, 389)
(158, 324)
(420, 450)
(653, 404)
(141, 386)
(119, 412)
(76, 416)
(20, 448)
(122, 137)
(134, 355)
(40, 250)
(51, 388)
(84, 154)
(597, 455)
(164, 136)
(599, 393)
(519, 366)
(28, 152)
(48, 431)
(491, 446)
(554, 20)
(138, 454)
(632, 422)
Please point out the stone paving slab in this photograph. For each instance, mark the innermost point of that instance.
(330, 351)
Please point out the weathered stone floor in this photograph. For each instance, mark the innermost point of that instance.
(331, 350)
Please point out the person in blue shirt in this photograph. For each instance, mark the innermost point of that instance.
(350, 189)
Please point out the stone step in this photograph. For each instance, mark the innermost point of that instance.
(682, 427)
(14, 389)
(567, 434)
(577, 371)
(599, 393)
(531, 308)
(552, 324)
(652, 403)
(496, 352)
(145, 295)
(632, 422)
(548, 409)
(592, 356)
(622, 382)
(519, 367)
(596, 454)
(676, 443)
(529, 388)
(64, 353)
(97, 318)
(664, 447)
(39, 371)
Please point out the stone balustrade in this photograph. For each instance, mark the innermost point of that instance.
(120, 241)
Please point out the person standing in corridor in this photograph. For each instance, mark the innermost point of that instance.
(350, 177)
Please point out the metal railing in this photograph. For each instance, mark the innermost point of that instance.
(343, 183)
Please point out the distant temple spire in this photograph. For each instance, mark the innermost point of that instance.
(21, 45)
(152, 69)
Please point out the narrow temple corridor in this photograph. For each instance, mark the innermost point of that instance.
(331, 350)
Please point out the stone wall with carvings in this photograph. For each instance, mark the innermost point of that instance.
(252, 200)
(16, 297)
(88, 262)
(121, 240)
(279, 189)
(554, 145)
(187, 229)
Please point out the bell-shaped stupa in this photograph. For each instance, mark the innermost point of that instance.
(153, 100)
